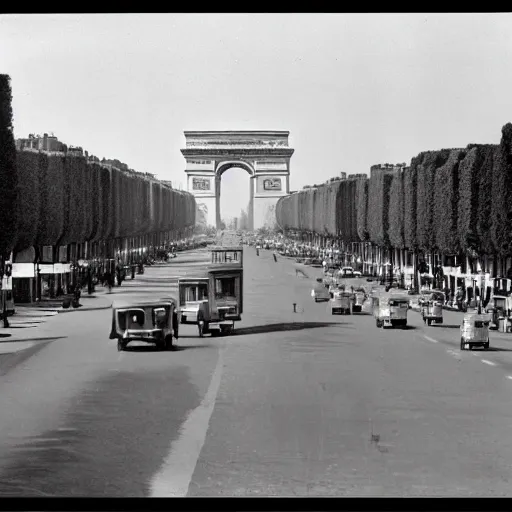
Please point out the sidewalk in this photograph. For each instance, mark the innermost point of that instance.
(24, 324)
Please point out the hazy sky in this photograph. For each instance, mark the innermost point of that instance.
(352, 89)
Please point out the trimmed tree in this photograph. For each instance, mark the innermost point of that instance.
(468, 207)
(117, 190)
(333, 210)
(396, 210)
(501, 210)
(28, 204)
(485, 199)
(362, 187)
(378, 205)
(446, 199)
(94, 201)
(410, 203)
(8, 171)
(425, 197)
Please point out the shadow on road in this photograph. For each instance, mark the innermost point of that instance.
(447, 326)
(498, 349)
(291, 326)
(179, 348)
(142, 348)
(175, 348)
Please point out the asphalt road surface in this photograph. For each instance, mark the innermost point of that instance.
(301, 403)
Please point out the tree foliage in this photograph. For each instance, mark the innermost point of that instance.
(410, 182)
(501, 208)
(378, 201)
(28, 204)
(51, 184)
(445, 204)
(468, 204)
(8, 170)
(362, 189)
(485, 199)
(396, 210)
(65, 199)
(425, 197)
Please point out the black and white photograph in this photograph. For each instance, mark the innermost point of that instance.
(255, 255)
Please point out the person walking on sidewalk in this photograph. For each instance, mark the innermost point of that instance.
(107, 277)
(4, 308)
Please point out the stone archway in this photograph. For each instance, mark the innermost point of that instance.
(265, 155)
(222, 167)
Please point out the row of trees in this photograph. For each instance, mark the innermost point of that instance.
(449, 201)
(64, 199)
(59, 199)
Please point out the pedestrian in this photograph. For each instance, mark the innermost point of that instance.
(275, 256)
(107, 280)
(4, 309)
(90, 286)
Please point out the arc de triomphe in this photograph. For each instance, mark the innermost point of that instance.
(265, 155)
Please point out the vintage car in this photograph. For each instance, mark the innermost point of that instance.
(432, 307)
(342, 302)
(348, 272)
(320, 292)
(213, 299)
(390, 310)
(474, 331)
(150, 321)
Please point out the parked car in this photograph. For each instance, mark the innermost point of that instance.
(349, 272)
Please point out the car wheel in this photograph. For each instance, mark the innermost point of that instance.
(120, 345)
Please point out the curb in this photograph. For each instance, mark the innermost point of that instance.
(47, 338)
(78, 310)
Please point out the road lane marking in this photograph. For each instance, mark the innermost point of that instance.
(175, 475)
(454, 353)
(430, 339)
(488, 362)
